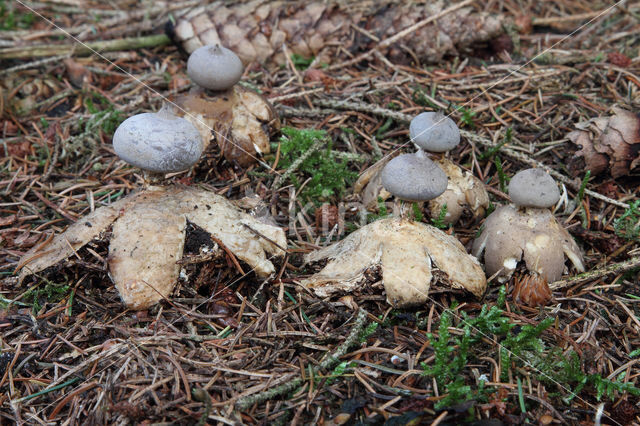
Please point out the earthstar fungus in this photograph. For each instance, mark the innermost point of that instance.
(434, 132)
(239, 120)
(401, 251)
(148, 228)
(527, 231)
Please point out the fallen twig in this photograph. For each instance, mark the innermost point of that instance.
(329, 361)
(615, 268)
(43, 50)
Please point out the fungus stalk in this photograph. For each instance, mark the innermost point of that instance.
(152, 178)
(400, 209)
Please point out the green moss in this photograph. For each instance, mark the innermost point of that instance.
(103, 114)
(300, 61)
(628, 225)
(438, 222)
(50, 293)
(520, 346)
(11, 19)
(324, 174)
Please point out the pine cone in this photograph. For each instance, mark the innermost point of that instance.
(531, 290)
(607, 143)
(257, 30)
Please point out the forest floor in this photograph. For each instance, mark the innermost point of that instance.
(230, 348)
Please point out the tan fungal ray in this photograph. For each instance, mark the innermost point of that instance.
(406, 272)
(346, 270)
(405, 251)
(148, 237)
(242, 121)
(146, 244)
(74, 238)
(216, 215)
(449, 255)
(464, 191)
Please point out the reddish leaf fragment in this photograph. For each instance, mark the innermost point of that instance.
(619, 59)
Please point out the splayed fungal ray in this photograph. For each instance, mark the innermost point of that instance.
(148, 231)
(406, 252)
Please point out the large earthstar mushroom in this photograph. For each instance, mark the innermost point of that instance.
(405, 251)
(148, 228)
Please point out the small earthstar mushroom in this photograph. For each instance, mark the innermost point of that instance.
(437, 133)
(158, 142)
(238, 119)
(401, 252)
(214, 67)
(434, 132)
(528, 231)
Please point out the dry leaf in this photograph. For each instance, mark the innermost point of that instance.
(607, 144)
